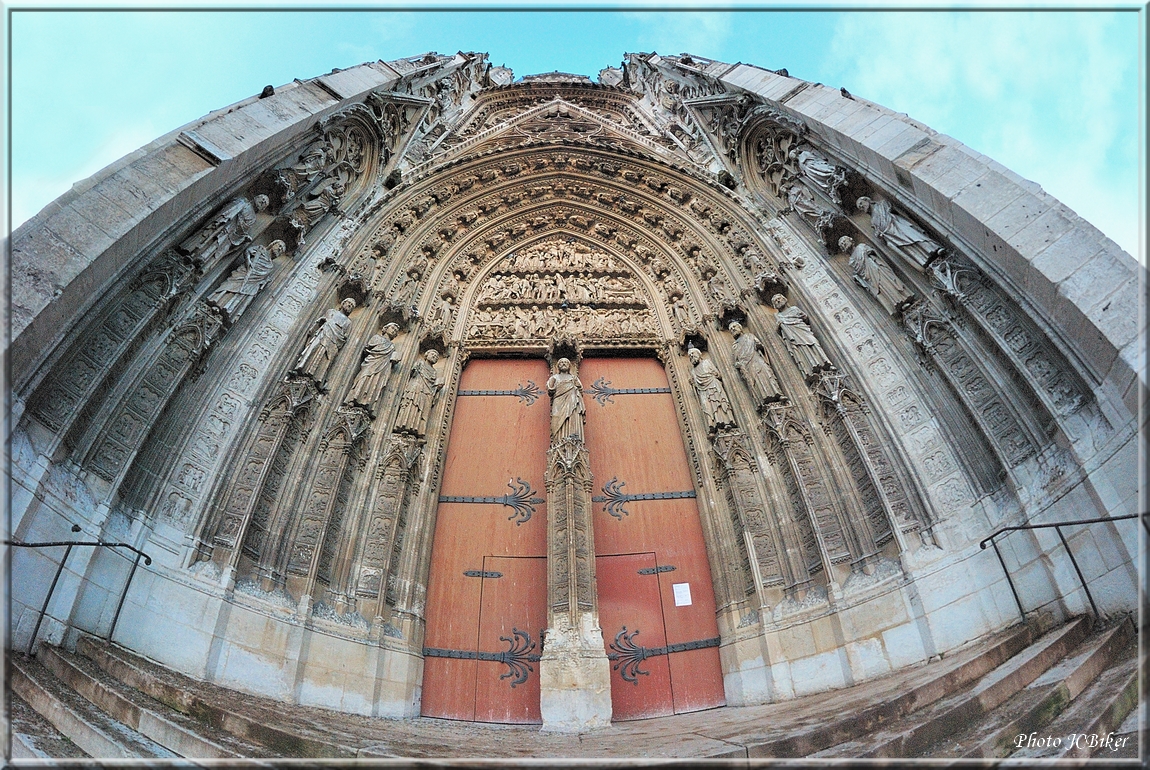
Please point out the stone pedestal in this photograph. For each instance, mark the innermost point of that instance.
(575, 677)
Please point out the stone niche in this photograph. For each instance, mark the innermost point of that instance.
(880, 349)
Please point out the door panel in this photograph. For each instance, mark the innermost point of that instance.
(512, 617)
(635, 445)
(630, 600)
(497, 437)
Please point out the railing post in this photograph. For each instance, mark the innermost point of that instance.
(123, 595)
(1081, 579)
(1009, 581)
(48, 598)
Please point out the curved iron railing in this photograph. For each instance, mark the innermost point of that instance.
(70, 544)
(1057, 527)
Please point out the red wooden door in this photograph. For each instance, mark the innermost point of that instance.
(636, 449)
(488, 558)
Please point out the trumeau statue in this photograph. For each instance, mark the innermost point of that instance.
(794, 328)
(237, 292)
(380, 356)
(873, 274)
(567, 408)
(709, 385)
(750, 360)
(418, 395)
(229, 228)
(330, 336)
(899, 233)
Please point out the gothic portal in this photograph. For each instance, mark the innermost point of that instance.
(430, 391)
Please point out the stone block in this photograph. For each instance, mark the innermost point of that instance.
(1097, 279)
(1040, 232)
(818, 673)
(867, 659)
(951, 627)
(897, 142)
(355, 80)
(1119, 314)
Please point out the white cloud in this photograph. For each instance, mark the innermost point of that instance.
(1051, 96)
(675, 32)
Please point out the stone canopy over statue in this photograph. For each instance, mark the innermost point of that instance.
(567, 408)
(330, 335)
(380, 357)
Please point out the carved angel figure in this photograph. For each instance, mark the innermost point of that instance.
(229, 228)
(418, 395)
(873, 274)
(751, 361)
(899, 233)
(795, 329)
(709, 386)
(567, 408)
(330, 335)
(237, 292)
(380, 356)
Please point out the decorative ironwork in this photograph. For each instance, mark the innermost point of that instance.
(528, 393)
(520, 499)
(480, 573)
(657, 570)
(518, 657)
(615, 498)
(602, 391)
(628, 655)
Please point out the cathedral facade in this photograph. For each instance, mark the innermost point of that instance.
(430, 391)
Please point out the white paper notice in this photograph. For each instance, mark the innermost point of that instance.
(682, 594)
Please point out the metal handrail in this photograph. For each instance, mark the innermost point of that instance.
(1057, 527)
(68, 552)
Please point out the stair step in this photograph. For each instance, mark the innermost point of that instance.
(34, 737)
(919, 731)
(223, 710)
(1040, 702)
(175, 731)
(94, 732)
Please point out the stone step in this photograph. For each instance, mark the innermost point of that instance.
(90, 729)
(245, 717)
(34, 737)
(1099, 711)
(1040, 702)
(177, 732)
(918, 732)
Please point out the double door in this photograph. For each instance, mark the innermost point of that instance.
(487, 592)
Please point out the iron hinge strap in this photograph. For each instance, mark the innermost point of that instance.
(602, 391)
(628, 655)
(527, 393)
(518, 656)
(615, 498)
(519, 500)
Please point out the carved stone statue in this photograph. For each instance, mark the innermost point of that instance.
(820, 172)
(380, 355)
(330, 335)
(312, 161)
(418, 395)
(246, 281)
(751, 361)
(709, 385)
(794, 327)
(444, 314)
(567, 408)
(873, 274)
(899, 233)
(229, 228)
(803, 202)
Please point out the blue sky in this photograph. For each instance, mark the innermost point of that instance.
(1053, 95)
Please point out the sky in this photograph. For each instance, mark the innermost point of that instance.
(1053, 95)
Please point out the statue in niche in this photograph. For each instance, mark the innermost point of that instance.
(820, 172)
(312, 161)
(873, 274)
(709, 385)
(330, 335)
(567, 408)
(751, 361)
(900, 233)
(802, 201)
(404, 295)
(794, 327)
(380, 356)
(418, 395)
(443, 315)
(246, 281)
(229, 228)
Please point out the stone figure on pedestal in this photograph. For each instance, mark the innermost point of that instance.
(329, 337)
(873, 274)
(567, 408)
(803, 202)
(899, 233)
(709, 385)
(794, 328)
(415, 403)
(820, 172)
(237, 292)
(750, 360)
(380, 356)
(229, 228)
